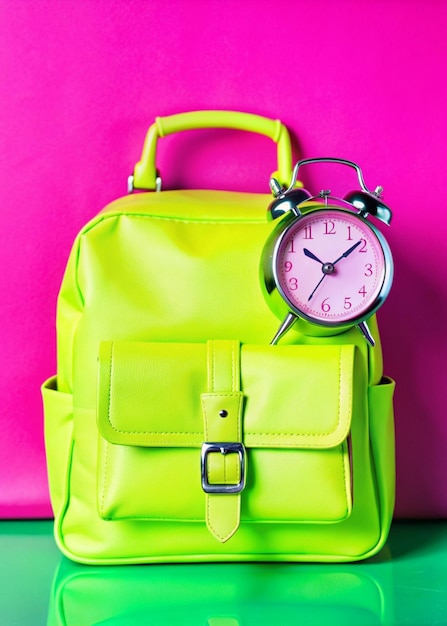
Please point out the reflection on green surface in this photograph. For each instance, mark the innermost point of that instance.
(217, 595)
(405, 584)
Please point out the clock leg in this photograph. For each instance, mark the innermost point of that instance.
(363, 328)
(289, 320)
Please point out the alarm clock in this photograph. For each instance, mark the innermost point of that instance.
(326, 266)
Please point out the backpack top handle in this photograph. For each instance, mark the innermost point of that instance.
(145, 174)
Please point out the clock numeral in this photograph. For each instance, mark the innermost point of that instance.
(362, 291)
(288, 265)
(293, 284)
(350, 238)
(291, 247)
(363, 246)
(368, 269)
(329, 227)
(347, 303)
(308, 232)
(325, 306)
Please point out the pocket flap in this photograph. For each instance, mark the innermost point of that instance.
(294, 396)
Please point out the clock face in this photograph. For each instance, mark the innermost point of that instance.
(330, 267)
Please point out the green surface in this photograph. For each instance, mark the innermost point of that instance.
(405, 584)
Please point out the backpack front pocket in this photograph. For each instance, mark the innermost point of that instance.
(285, 455)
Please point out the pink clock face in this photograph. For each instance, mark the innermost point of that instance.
(330, 267)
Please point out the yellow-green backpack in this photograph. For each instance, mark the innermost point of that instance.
(174, 431)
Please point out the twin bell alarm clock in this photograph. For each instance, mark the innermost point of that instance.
(325, 265)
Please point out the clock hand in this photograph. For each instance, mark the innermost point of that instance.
(311, 255)
(348, 252)
(318, 284)
(328, 268)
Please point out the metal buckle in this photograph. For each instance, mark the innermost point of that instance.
(223, 448)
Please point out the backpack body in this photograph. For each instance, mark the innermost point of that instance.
(175, 432)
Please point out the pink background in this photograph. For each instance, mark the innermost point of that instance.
(358, 79)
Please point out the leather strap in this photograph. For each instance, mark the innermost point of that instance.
(222, 415)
